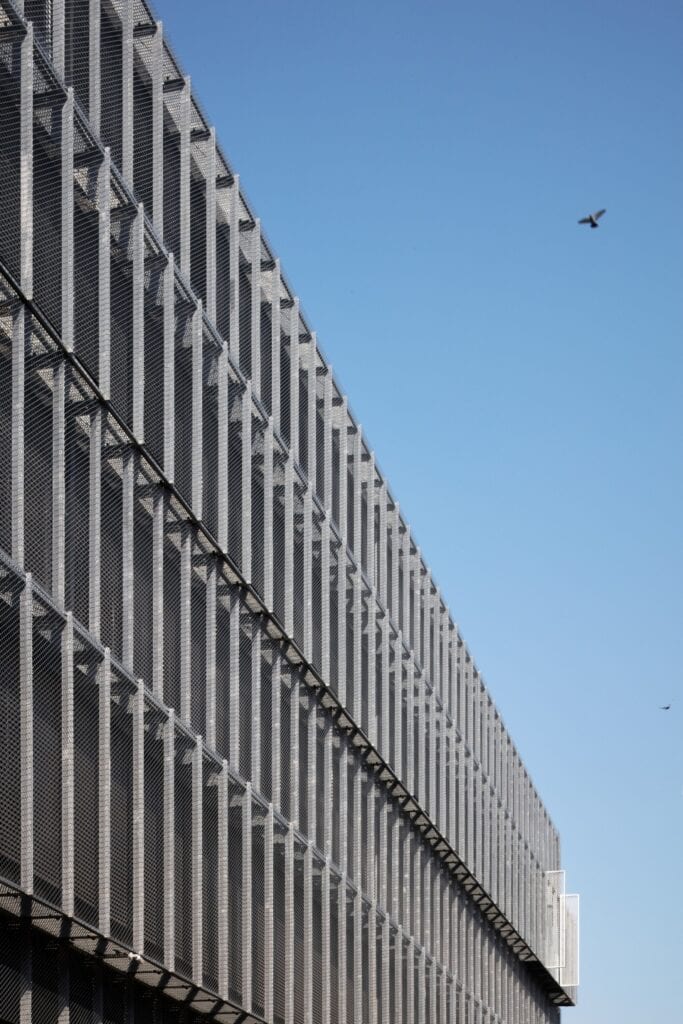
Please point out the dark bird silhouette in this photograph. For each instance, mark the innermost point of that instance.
(665, 707)
(593, 219)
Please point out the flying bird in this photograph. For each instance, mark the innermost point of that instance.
(593, 219)
(665, 707)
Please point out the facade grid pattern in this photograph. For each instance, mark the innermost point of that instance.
(230, 684)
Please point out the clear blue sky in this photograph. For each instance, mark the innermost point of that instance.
(419, 167)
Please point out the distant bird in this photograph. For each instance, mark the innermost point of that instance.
(665, 707)
(593, 219)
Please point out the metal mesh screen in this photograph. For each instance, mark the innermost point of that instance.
(222, 259)
(395, 975)
(259, 958)
(47, 751)
(182, 817)
(316, 951)
(286, 742)
(171, 163)
(76, 50)
(86, 698)
(365, 824)
(383, 1008)
(87, 174)
(365, 980)
(77, 483)
(367, 625)
(336, 968)
(142, 129)
(155, 725)
(235, 816)
(279, 925)
(38, 479)
(235, 420)
(321, 781)
(334, 633)
(7, 327)
(111, 627)
(353, 834)
(111, 81)
(258, 430)
(143, 574)
(183, 395)
(210, 868)
(211, 414)
(266, 345)
(303, 711)
(285, 380)
(304, 355)
(155, 267)
(11, 982)
(384, 710)
(198, 641)
(299, 951)
(10, 135)
(198, 223)
(45, 994)
(347, 900)
(223, 717)
(337, 754)
(347, 633)
(173, 532)
(123, 376)
(10, 726)
(47, 198)
(245, 699)
(279, 530)
(121, 838)
(365, 541)
(267, 768)
(336, 460)
(244, 311)
(317, 585)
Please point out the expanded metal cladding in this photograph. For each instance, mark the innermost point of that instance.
(246, 755)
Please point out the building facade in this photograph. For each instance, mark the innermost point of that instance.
(248, 768)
